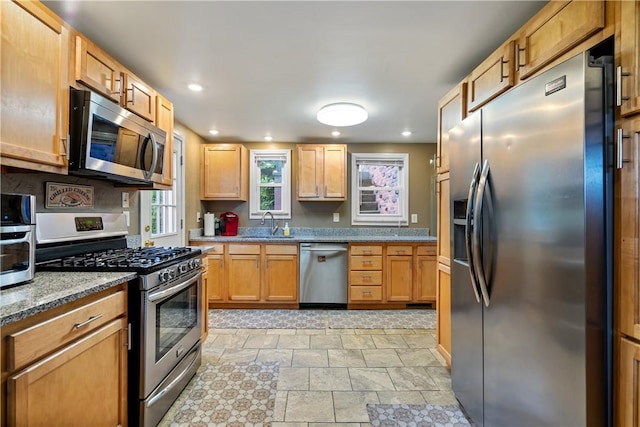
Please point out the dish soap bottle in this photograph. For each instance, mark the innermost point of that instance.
(286, 229)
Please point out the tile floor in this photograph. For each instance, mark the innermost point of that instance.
(327, 376)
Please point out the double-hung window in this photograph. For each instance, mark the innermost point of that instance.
(270, 179)
(379, 189)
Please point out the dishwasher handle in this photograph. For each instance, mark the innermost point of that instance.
(307, 247)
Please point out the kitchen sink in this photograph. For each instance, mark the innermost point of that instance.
(262, 236)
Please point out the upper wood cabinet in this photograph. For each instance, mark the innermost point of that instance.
(225, 172)
(164, 120)
(322, 172)
(628, 72)
(97, 70)
(557, 28)
(491, 78)
(628, 228)
(452, 109)
(35, 88)
(138, 97)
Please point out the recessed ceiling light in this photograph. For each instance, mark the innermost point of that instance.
(342, 114)
(268, 138)
(335, 133)
(406, 133)
(214, 132)
(195, 87)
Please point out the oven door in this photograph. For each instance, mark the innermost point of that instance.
(171, 323)
(17, 254)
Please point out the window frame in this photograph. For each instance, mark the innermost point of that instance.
(401, 219)
(254, 192)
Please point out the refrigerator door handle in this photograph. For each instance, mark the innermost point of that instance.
(477, 229)
(468, 228)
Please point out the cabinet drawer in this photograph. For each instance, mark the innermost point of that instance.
(281, 249)
(426, 250)
(365, 250)
(216, 249)
(244, 249)
(366, 293)
(399, 250)
(365, 277)
(29, 344)
(366, 263)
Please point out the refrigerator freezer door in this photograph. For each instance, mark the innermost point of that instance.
(534, 329)
(466, 308)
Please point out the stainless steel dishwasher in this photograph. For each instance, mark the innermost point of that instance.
(323, 273)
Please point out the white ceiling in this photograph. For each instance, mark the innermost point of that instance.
(268, 66)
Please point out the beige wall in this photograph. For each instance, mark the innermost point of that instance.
(320, 214)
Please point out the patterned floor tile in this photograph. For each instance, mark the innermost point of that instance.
(228, 394)
(403, 415)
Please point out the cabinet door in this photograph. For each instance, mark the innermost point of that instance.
(443, 311)
(309, 171)
(35, 87)
(560, 26)
(96, 69)
(84, 384)
(452, 109)
(491, 78)
(628, 226)
(215, 279)
(444, 221)
(398, 270)
(629, 54)
(335, 172)
(164, 120)
(243, 277)
(628, 385)
(224, 172)
(281, 278)
(138, 97)
(425, 281)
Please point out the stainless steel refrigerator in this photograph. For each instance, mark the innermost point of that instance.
(531, 251)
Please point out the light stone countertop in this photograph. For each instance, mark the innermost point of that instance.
(52, 289)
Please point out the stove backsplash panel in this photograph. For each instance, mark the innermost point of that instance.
(108, 198)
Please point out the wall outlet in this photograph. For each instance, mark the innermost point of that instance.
(198, 217)
(336, 217)
(127, 218)
(125, 199)
(414, 218)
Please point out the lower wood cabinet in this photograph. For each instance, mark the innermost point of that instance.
(628, 384)
(243, 272)
(388, 274)
(443, 312)
(68, 366)
(280, 273)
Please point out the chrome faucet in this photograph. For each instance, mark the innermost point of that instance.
(274, 226)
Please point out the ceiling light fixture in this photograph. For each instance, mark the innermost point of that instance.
(342, 114)
(335, 133)
(406, 133)
(195, 87)
(214, 132)
(268, 138)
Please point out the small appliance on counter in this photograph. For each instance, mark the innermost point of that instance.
(17, 244)
(230, 220)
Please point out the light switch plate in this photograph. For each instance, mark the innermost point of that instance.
(414, 218)
(127, 218)
(336, 217)
(125, 199)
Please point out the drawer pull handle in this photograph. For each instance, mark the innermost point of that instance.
(366, 292)
(86, 322)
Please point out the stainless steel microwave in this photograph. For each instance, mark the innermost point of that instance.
(106, 141)
(17, 239)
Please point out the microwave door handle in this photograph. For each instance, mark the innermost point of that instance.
(154, 160)
(142, 157)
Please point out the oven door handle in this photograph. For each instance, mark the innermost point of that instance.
(159, 295)
(173, 383)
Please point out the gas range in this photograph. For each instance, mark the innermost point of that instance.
(97, 242)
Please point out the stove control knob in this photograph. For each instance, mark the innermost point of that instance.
(172, 273)
(196, 262)
(191, 264)
(164, 276)
(182, 268)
